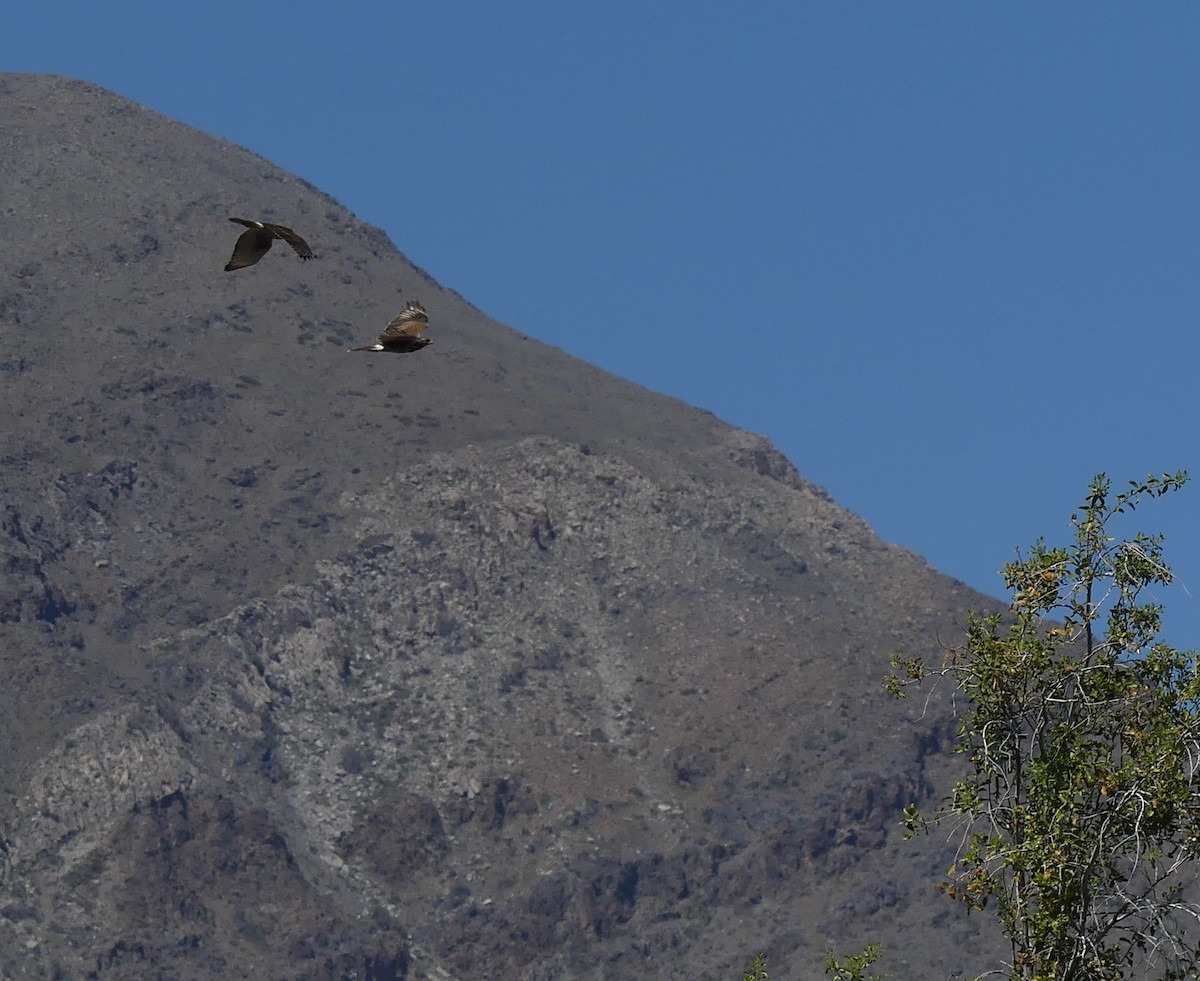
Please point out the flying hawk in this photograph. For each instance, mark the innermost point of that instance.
(403, 334)
(255, 242)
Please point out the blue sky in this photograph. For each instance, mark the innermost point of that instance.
(945, 255)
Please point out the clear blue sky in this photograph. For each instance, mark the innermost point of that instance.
(945, 255)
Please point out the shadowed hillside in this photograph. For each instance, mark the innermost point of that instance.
(476, 662)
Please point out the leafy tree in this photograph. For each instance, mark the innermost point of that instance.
(757, 970)
(854, 967)
(1080, 818)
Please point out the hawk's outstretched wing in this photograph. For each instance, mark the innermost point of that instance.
(295, 241)
(409, 322)
(251, 246)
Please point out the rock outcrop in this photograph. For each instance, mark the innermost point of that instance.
(481, 663)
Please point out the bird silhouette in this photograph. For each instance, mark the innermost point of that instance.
(403, 334)
(255, 242)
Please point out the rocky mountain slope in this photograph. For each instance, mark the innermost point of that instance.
(474, 663)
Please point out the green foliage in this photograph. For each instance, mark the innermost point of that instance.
(854, 967)
(757, 970)
(1080, 817)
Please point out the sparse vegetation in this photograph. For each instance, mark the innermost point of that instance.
(1080, 816)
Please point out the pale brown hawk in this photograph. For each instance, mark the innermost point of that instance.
(403, 334)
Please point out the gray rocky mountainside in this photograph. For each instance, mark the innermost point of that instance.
(472, 663)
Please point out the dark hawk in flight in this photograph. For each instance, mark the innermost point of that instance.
(255, 242)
